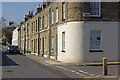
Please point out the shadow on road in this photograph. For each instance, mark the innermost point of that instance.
(6, 61)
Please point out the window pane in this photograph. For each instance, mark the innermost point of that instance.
(45, 21)
(63, 10)
(95, 8)
(56, 15)
(95, 40)
(52, 17)
(52, 42)
(63, 40)
(45, 43)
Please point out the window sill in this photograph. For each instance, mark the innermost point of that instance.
(95, 50)
(63, 51)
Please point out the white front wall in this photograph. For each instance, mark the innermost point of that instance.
(15, 37)
(77, 41)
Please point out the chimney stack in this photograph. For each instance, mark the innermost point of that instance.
(38, 8)
(44, 4)
(42, 7)
(29, 13)
(26, 18)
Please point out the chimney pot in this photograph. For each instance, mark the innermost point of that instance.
(42, 7)
(38, 6)
(29, 12)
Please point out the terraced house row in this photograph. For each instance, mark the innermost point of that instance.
(73, 32)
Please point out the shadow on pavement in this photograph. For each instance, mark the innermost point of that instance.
(6, 61)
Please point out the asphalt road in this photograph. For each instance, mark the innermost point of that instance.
(19, 66)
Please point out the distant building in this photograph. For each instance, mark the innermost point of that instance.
(15, 37)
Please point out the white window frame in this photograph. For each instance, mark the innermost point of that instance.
(40, 43)
(63, 41)
(63, 10)
(93, 40)
(93, 5)
(52, 17)
(41, 23)
(28, 28)
(46, 21)
(56, 15)
(45, 43)
(52, 46)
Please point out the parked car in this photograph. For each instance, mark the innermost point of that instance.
(12, 48)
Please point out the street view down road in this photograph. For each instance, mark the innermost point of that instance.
(19, 66)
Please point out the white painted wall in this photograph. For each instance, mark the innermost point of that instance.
(15, 37)
(77, 41)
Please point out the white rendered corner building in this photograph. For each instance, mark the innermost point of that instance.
(91, 39)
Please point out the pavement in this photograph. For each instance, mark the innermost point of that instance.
(93, 69)
(48, 61)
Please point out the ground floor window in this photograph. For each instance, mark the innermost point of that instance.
(45, 43)
(52, 42)
(32, 45)
(95, 40)
(63, 41)
(36, 45)
(40, 44)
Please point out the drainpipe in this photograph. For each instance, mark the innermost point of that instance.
(24, 41)
(49, 43)
(49, 37)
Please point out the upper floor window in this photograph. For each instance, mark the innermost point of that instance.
(56, 15)
(48, 20)
(32, 27)
(52, 43)
(95, 9)
(28, 28)
(52, 17)
(45, 21)
(36, 25)
(63, 10)
(39, 23)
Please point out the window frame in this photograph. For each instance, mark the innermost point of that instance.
(56, 19)
(52, 43)
(95, 32)
(97, 15)
(63, 11)
(45, 43)
(63, 41)
(45, 21)
(52, 16)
